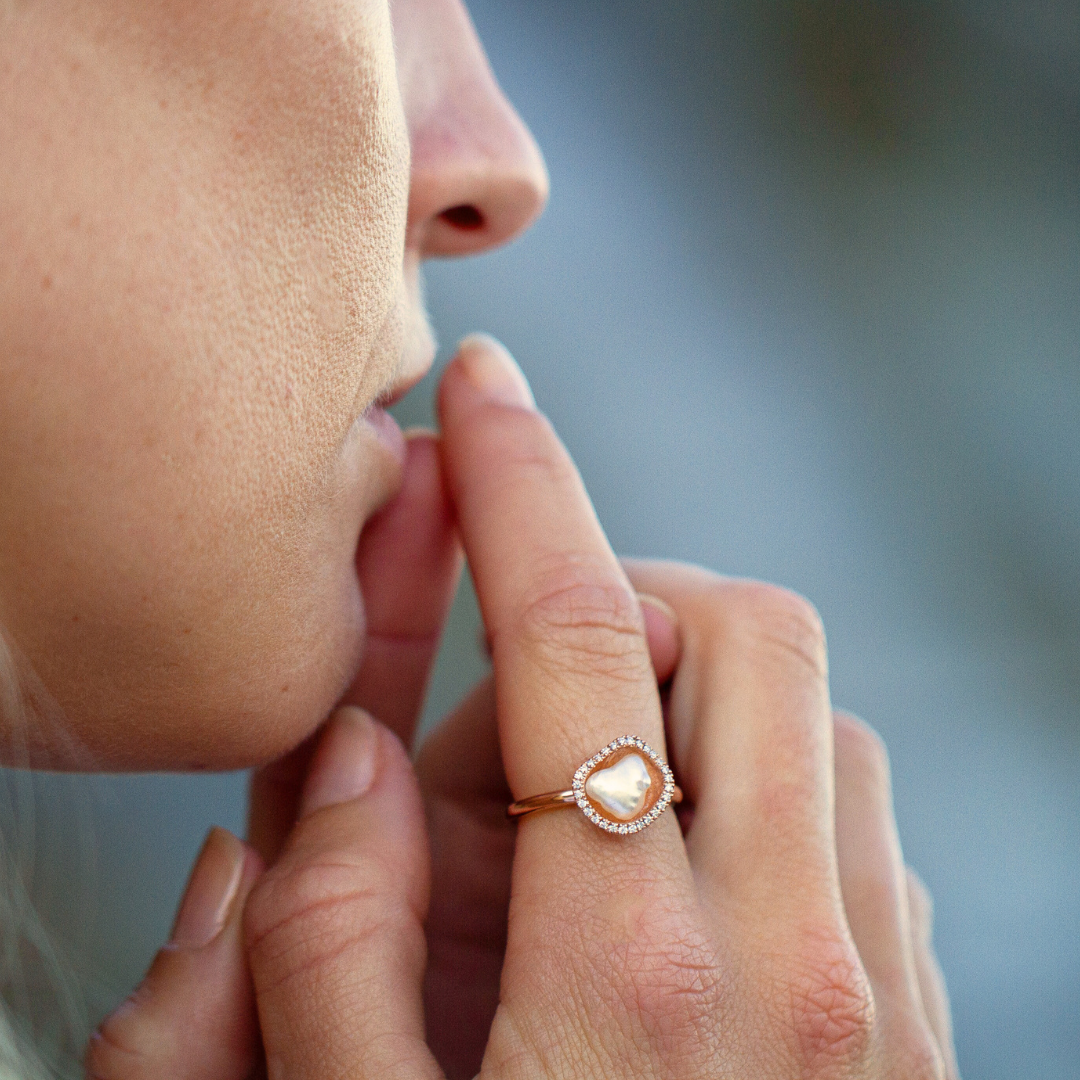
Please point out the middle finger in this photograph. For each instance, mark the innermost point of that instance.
(751, 727)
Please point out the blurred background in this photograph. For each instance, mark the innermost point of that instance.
(805, 306)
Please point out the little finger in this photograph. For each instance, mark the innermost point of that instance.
(875, 889)
(935, 997)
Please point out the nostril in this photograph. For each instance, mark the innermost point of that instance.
(465, 217)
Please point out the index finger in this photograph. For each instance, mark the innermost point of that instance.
(571, 659)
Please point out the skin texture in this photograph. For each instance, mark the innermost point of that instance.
(211, 223)
(405, 928)
(209, 270)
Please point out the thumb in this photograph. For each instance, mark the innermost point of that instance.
(335, 928)
(193, 1016)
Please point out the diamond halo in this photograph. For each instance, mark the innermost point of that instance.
(623, 828)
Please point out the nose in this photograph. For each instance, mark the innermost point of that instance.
(478, 177)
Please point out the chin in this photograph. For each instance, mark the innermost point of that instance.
(267, 704)
(237, 697)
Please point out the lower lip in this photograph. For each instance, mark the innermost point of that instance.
(387, 431)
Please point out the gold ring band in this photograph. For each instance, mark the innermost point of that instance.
(622, 789)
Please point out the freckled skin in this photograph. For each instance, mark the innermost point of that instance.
(202, 221)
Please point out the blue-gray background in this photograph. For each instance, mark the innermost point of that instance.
(805, 306)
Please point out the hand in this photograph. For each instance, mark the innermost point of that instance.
(774, 941)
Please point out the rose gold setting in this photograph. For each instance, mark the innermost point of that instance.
(662, 790)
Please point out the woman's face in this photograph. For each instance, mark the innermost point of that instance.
(210, 238)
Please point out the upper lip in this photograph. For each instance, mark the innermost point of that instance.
(400, 389)
(396, 392)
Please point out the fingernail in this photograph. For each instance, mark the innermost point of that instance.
(343, 767)
(662, 630)
(210, 891)
(662, 606)
(493, 371)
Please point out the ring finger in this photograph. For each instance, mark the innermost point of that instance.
(569, 649)
(571, 660)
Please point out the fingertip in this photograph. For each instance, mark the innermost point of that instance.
(414, 535)
(345, 761)
(485, 372)
(211, 891)
(193, 1014)
(408, 562)
(662, 631)
(422, 486)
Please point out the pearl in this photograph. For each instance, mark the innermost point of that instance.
(621, 789)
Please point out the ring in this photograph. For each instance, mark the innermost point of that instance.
(624, 788)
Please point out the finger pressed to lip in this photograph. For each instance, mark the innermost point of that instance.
(572, 672)
(572, 665)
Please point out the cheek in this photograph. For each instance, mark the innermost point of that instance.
(190, 331)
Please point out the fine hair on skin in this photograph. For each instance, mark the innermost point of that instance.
(43, 1015)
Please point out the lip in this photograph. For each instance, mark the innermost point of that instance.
(393, 396)
(386, 430)
(417, 361)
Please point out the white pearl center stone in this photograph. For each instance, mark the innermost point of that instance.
(622, 788)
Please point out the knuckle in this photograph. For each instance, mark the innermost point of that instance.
(664, 981)
(123, 1047)
(581, 619)
(832, 1012)
(921, 903)
(779, 622)
(303, 919)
